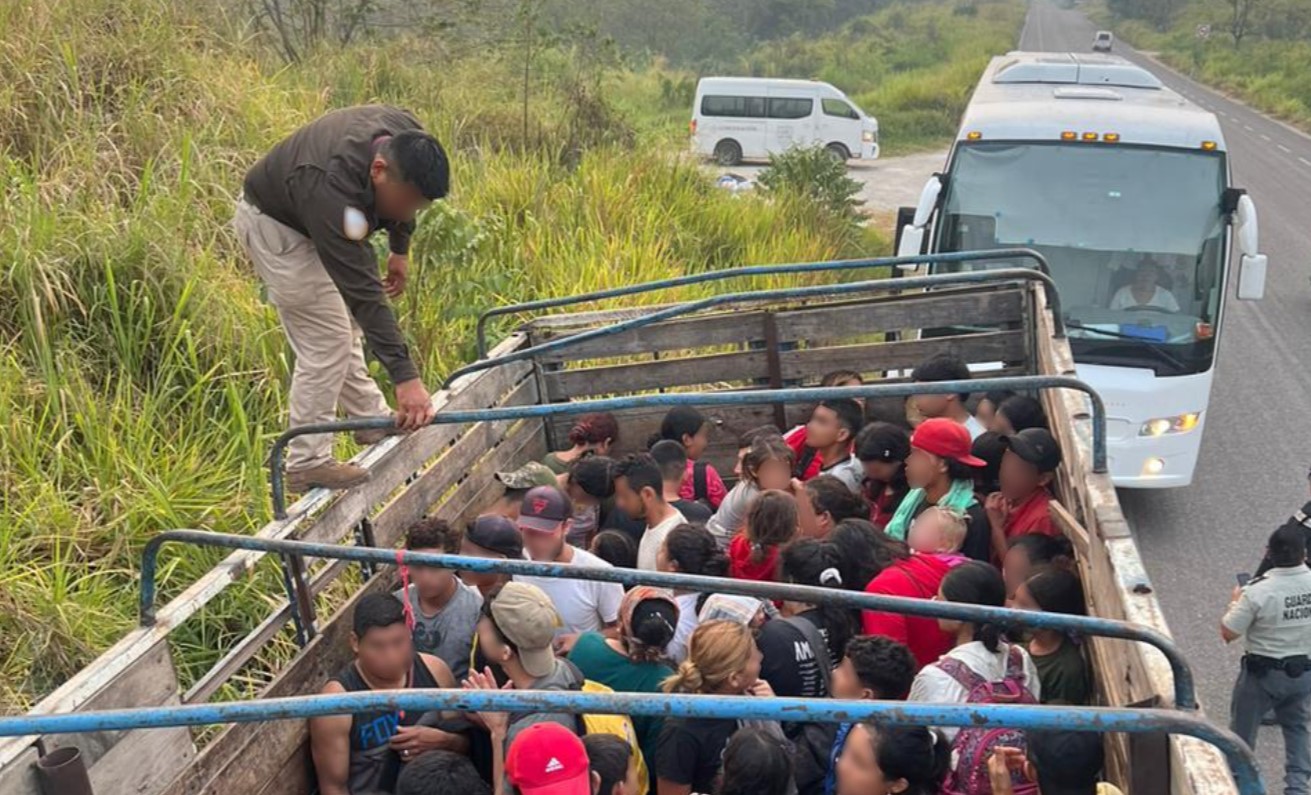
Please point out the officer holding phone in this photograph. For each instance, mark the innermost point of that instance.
(1272, 615)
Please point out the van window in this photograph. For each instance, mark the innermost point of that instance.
(749, 107)
(836, 107)
(790, 108)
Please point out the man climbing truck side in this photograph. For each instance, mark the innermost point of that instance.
(305, 215)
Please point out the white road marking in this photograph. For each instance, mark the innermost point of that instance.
(1265, 137)
(1248, 127)
(1284, 149)
(1305, 162)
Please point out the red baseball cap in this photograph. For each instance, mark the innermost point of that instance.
(946, 439)
(548, 759)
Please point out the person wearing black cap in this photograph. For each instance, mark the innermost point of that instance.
(882, 449)
(1021, 506)
(495, 537)
(1301, 518)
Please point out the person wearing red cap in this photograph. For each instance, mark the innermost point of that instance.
(548, 759)
(940, 472)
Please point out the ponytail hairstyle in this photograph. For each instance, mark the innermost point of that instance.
(819, 563)
(694, 550)
(765, 448)
(863, 551)
(1057, 591)
(772, 521)
(647, 618)
(977, 583)
(918, 755)
(717, 651)
(594, 429)
(680, 421)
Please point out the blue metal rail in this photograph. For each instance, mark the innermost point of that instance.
(1185, 697)
(1242, 762)
(702, 399)
(813, 291)
(759, 270)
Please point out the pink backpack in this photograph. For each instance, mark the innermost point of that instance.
(973, 746)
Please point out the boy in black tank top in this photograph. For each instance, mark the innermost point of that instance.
(364, 752)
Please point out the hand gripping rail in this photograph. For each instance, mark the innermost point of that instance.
(1185, 697)
(701, 400)
(757, 270)
(1242, 762)
(813, 291)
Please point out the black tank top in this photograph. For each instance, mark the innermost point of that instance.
(374, 766)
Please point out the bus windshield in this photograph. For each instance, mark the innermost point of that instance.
(1135, 237)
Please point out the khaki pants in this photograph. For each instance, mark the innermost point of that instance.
(330, 369)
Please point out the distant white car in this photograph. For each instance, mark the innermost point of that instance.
(1102, 41)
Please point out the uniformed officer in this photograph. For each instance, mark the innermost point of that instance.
(1272, 614)
(306, 213)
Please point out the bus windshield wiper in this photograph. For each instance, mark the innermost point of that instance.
(1160, 353)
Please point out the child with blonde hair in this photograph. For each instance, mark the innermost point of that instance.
(938, 531)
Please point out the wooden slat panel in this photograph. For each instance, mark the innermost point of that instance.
(280, 746)
(671, 335)
(641, 376)
(18, 777)
(993, 346)
(892, 313)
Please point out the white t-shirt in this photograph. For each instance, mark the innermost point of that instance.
(975, 427)
(851, 472)
(1162, 298)
(583, 605)
(732, 513)
(933, 685)
(676, 651)
(654, 538)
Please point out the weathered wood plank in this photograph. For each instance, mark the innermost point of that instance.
(892, 313)
(143, 762)
(716, 368)
(992, 346)
(729, 328)
(18, 776)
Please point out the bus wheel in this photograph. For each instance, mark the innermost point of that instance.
(838, 152)
(728, 152)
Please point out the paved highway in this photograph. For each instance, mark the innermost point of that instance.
(1253, 467)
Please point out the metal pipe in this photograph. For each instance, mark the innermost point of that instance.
(804, 594)
(756, 270)
(817, 290)
(702, 399)
(1242, 762)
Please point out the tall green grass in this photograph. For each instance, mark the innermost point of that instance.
(141, 376)
(1272, 74)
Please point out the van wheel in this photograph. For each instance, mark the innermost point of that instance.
(728, 152)
(838, 152)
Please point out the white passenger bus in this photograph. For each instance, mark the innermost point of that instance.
(753, 118)
(1124, 186)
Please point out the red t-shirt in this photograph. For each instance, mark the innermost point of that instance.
(918, 576)
(742, 567)
(1032, 516)
(715, 488)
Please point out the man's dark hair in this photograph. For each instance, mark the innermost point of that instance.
(433, 533)
(671, 458)
(1287, 545)
(850, 415)
(608, 756)
(1067, 763)
(438, 773)
(376, 611)
(883, 665)
(943, 367)
(594, 474)
(1023, 412)
(642, 472)
(416, 158)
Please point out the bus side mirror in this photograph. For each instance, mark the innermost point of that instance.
(911, 238)
(1252, 264)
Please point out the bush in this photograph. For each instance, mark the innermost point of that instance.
(815, 174)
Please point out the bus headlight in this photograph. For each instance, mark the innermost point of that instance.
(1182, 423)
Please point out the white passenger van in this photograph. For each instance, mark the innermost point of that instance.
(752, 118)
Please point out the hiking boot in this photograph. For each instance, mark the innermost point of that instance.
(332, 475)
(372, 436)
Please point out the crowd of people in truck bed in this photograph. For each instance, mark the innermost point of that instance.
(956, 507)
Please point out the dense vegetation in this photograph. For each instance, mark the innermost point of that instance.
(141, 375)
(1259, 50)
